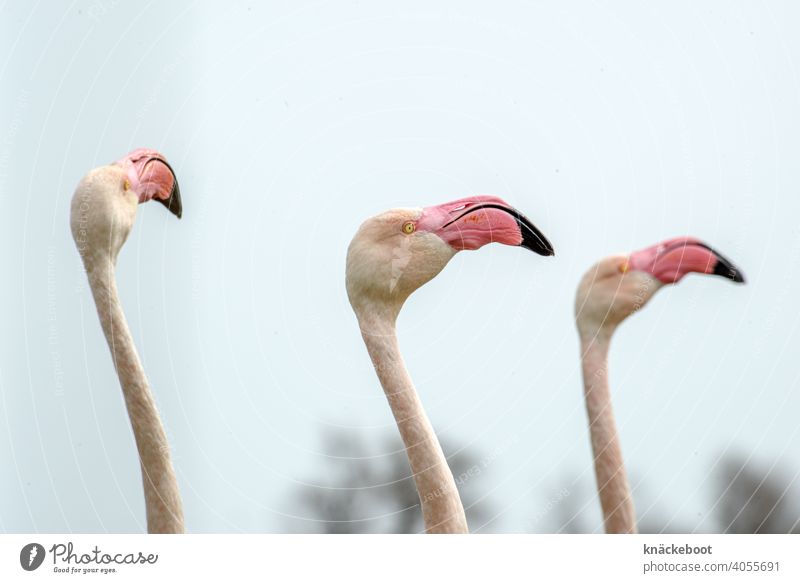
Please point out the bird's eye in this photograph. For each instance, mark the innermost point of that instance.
(126, 185)
(624, 267)
(409, 227)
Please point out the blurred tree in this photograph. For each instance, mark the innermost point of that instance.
(575, 508)
(752, 501)
(367, 487)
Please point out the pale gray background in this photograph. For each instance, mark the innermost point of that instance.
(611, 125)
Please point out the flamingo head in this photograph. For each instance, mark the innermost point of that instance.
(620, 285)
(398, 251)
(104, 204)
(151, 177)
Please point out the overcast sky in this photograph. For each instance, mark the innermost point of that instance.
(610, 125)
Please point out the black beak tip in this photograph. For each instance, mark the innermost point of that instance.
(173, 203)
(726, 269)
(534, 240)
(539, 249)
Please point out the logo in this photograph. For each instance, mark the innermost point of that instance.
(31, 556)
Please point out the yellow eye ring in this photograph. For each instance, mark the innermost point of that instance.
(126, 185)
(624, 267)
(409, 227)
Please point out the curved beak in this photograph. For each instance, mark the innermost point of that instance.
(673, 259)
(471, 223)
(152, 183)
(173, 202)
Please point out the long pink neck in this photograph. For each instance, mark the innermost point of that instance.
(162, 498)
(442, 510)
(619, 514)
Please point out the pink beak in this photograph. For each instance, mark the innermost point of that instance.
(471, 223)
(672, 259)
(152, 177)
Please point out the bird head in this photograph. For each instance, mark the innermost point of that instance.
(104, 205)
(398, 251)
(151, 178)
(620, 285)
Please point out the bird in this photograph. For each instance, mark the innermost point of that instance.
(102, 214)
(390, 256)
(608, 293)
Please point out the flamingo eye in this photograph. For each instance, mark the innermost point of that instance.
(409, 227)
(126, 185)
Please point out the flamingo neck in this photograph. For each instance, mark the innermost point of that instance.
(442, 510)
(616, 500)
(161, 494)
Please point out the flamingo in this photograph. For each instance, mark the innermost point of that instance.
(102, 215)
(609, 292)
(391, 255)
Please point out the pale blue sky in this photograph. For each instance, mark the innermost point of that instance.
(611, 125)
